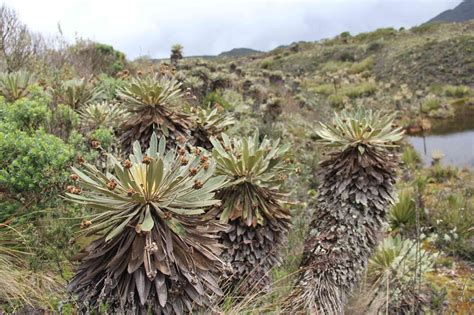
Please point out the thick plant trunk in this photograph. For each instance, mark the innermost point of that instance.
(357, 190)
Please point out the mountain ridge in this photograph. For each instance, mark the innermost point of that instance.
(462, 12)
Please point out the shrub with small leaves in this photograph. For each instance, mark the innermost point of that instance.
(33, 164)
(27, 114)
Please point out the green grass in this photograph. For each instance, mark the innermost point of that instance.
(359, 90)
(456, 91)
(365, 65)
(324, 89)
(430, 104)
(334, 66)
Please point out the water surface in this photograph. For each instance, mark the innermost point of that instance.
(453, 137)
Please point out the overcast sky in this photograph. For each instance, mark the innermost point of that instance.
(150, 27)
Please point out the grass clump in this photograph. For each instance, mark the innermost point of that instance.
(430, 104)
(410, 157)
(365, 65)
(324, 89)
(359, 90)
(456, 91)
(454, 221)
(402, 215)
(334, 66)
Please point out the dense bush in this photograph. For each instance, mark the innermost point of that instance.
(26, 114)
(33, 164)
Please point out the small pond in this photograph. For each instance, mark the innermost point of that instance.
(453, 137)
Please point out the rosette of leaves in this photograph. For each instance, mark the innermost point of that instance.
(356, 192)
(156, 250)
(210, 123)
(75, 93)
(102, 115)
(14, 86)
(251, 206)
(399, 266)
(153, 104)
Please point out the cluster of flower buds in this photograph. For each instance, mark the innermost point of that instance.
(111, 184)
(127, 164)
(146, 160)
(73, 190)
(85, 224)
(198, 184)
(184, 161)
(193, 171)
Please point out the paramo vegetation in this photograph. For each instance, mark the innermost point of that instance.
(195, 186)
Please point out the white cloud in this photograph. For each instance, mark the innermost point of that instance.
(208, 27)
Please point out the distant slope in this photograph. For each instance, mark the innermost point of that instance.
(238, 52)
(463, 12)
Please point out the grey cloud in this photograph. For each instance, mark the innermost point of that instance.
(145, 27)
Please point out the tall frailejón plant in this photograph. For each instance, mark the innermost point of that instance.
(155, 248)
(153, 104)
(357, 190)
(251, 206)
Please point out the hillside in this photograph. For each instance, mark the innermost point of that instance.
(238, 52)
(463, 12)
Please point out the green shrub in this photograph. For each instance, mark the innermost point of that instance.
(33, 164)
(27, 114)
(37, 93)
(381, 33)
(81, 146)
(375, 45)
(266, 64)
